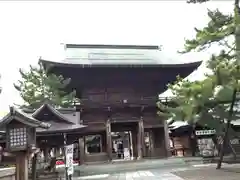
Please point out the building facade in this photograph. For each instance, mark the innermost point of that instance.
(118, 88)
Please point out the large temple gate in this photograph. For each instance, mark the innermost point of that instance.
(118, 86)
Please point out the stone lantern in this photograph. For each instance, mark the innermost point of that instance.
(20, 131)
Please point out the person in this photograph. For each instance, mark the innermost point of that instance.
(120, 150)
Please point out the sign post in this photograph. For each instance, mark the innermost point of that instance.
(69, 159)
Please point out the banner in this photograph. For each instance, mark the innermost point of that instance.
(69, 159)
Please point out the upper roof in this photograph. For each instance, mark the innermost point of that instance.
(22, 117)
(121, 55)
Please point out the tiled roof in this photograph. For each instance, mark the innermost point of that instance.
(60, 127)
(115, 54)
(59, 115)
(64, 122)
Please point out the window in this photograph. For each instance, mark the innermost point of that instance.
(93, 144)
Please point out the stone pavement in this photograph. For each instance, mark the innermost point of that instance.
(136, 175)
(228, 172)
(196, 172)
(143, 165)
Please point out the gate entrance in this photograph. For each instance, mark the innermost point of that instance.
(124, 140)
(122, 145)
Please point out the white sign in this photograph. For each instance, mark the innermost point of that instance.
(234, 141)
(69, 159)
(126, 153)
(205, 132)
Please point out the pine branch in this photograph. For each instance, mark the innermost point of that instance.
(36, 87)
(218, 29)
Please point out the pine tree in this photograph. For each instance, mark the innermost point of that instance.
(212, 101)
(36, 88)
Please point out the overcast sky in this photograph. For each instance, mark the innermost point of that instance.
(29, 30)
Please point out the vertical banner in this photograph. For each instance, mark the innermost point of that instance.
(69, 159)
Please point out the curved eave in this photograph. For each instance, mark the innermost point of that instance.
(54, 111)
(49, 64)
(62, 128)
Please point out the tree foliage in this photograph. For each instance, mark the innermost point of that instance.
(36, 87)
(208, 102)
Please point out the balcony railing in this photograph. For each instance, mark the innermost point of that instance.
(144, 101)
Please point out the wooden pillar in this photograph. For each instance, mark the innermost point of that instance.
(46, 153)
(151, 143)
(134, 143)
(140, 138)
(131, 144)
(109, 139)
(81, 150)
(21, 166)
(166, 139)
(34, 167)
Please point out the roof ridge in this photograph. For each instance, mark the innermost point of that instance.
(113, 46)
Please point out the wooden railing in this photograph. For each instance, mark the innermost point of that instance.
(144, 101)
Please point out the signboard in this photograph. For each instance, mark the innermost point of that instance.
(206, 147)
(69, 159)
(126, 154)
(205, 132)
(233, 141)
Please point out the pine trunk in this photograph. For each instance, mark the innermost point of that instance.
(225, 139)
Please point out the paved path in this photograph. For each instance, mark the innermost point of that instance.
(136, 175)
(196, 172)
(228, 172)
(143, 165)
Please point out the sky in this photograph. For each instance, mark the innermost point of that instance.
(32, 29)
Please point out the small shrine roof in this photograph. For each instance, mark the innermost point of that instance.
(64, 121)
(60, 127)
(18, 115)
(60, 116)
